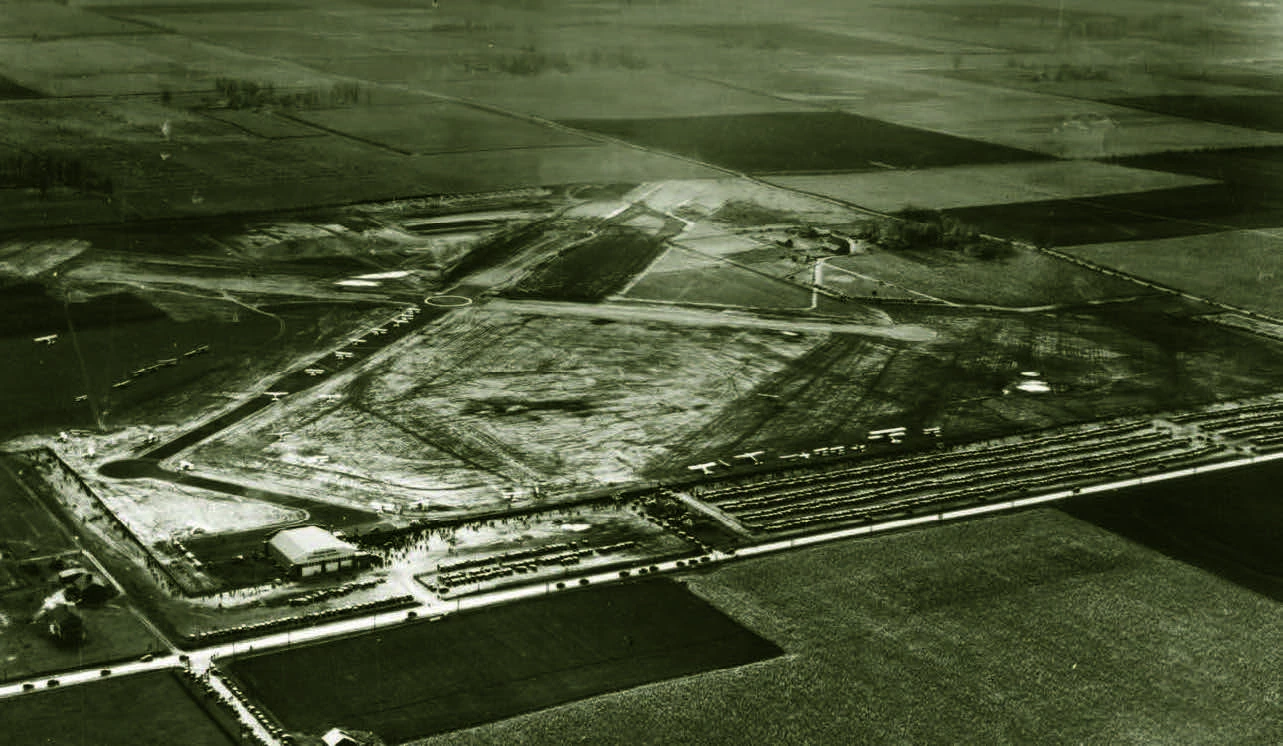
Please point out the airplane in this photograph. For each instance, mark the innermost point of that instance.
(706, 468)
(341, 355)
(331, 397)
(82, 397)
(792, 456)
(47, 339)
(314, 371)
(276, 395)
(358, 341)
(752, 456)
(379, 330)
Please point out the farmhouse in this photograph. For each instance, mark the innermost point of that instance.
(311, 550)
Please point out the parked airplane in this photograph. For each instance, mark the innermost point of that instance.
(276, 395)
(47, 339)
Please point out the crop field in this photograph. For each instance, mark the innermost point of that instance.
(1243, 268)
(27, 528)
(489, 401)
(1026, 279)
(414, 680)
(768, 37)
(1229, 537)
(147, 708)
(971, 186)
(1063, 128)
(725, 285)
(1030, 627)
(591, 270)
(633, 94)
(1159, 214)
(1107, 81)
(440, 128)
(1261, 112)
(1100, 365)
(791, 142)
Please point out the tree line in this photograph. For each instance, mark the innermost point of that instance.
(46, 171)
(238, 93)
(919, 228)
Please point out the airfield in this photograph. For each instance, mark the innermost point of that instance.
(568, 311)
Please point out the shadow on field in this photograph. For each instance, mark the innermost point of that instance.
(1227, 522)
(417, 679)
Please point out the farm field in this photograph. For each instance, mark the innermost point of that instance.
(1263, 112)
(618, 94)
(727, 286)
(792, 142)
(592, 269)
(1158, 214)
(1026, 279)
(1028, 122)
(441, 127)
(971, 186)
(1030, 627)
(1229, 537)
(1242, 268)
(418, 679)
(148, 708)
(27, 528)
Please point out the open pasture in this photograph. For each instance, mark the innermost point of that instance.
(1242, 268)
(152, 708)
(793, 142)
(1142, 216)
(612, 94)
(27, 528)
(440, 128)
(1257, 112)
(720, 285)
(1026, 279)
(972, 186)
(414, 680)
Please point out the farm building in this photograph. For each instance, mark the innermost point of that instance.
(311, 550)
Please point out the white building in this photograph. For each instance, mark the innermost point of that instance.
(311, 550)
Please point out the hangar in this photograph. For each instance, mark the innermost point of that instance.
(311, 550)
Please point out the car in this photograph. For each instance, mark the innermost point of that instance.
(148, 658)
(28, 687)
(105, 672)
(53, 682)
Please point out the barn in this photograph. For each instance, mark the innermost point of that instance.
(310, 550)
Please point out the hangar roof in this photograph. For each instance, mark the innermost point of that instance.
(307, 544)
